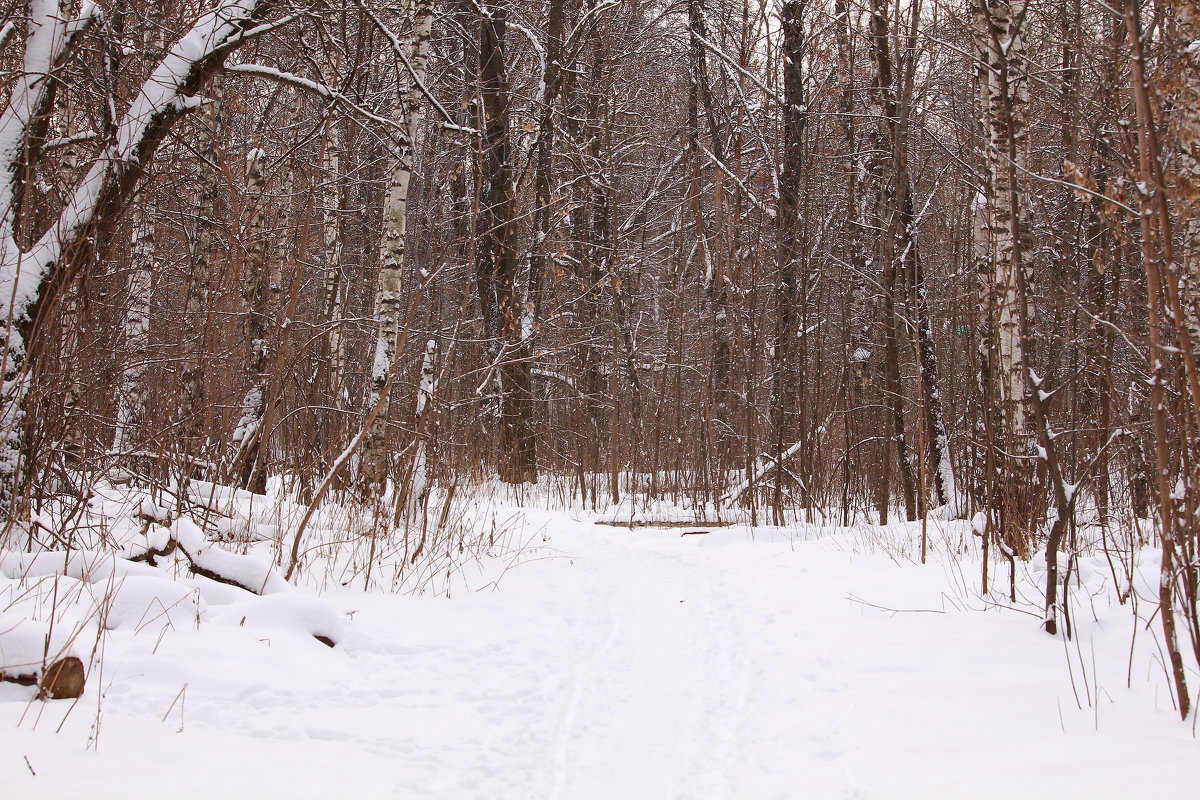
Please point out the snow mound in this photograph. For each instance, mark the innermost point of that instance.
(151, 604)
(27, 644)
(286, 614)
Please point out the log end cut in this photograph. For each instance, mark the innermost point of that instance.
(62, 680)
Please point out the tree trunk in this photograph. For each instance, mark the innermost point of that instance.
(246, 442)
(787, 388)
(393, 249)
(193, 400)
(504, 312)
(1002, 81)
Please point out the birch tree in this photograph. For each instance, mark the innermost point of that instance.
(203, 246)
(388, 308)
(132, 392)
(247, 440)
(31, 254)
(1003, 260)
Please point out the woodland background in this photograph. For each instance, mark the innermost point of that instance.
(843, 260)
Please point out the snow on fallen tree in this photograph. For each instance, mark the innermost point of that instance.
(247, 572)
(765, 466)
(206, 559)
(279, 606)
(43, 628)
(139, 587)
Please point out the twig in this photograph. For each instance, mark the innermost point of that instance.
(859, 600)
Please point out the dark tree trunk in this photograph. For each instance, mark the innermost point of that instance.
(502, 302)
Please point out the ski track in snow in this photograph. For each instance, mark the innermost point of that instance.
(625, 664)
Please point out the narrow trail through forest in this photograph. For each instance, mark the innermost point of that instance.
(616, 663)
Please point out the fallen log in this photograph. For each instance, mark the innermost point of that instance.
(209, 561)
(34, 653)
(664, 523)
(766, 465)
(62, 680)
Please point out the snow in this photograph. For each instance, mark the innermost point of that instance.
(22, 273)
(381, 364)
(249, 420)
(246, 570)
(293, 614)
(576, 660)
(152, 603)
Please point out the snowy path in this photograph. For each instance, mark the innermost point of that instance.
(621, 664)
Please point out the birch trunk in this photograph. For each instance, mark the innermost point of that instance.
(131, 394)
(1002, 85)
(330, 370)
(132, 391)
(393, 247)
(193, 401)
(421, 474)
(246, 442)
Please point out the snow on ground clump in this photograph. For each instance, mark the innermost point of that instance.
(547, 656)
(293, 613)
(138, 573)
(141, 603)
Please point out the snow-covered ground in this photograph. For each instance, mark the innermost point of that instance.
(595, 662)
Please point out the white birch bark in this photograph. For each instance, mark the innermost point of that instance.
(262, 288)
(1004, 95)
(334, 284)
(193, 391)
(131, 394)
(51, 32)
(247, 435)
(422, 465)
(132, 390)
(1000, 222)
(387, 308)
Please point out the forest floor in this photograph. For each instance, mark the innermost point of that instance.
(594, 662)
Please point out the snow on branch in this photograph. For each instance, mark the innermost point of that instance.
(163, 97)
(766, 465)
(398, 49)
(6, 32)
(320, 89)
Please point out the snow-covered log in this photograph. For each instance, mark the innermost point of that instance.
(34, 654)
(766, 465)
